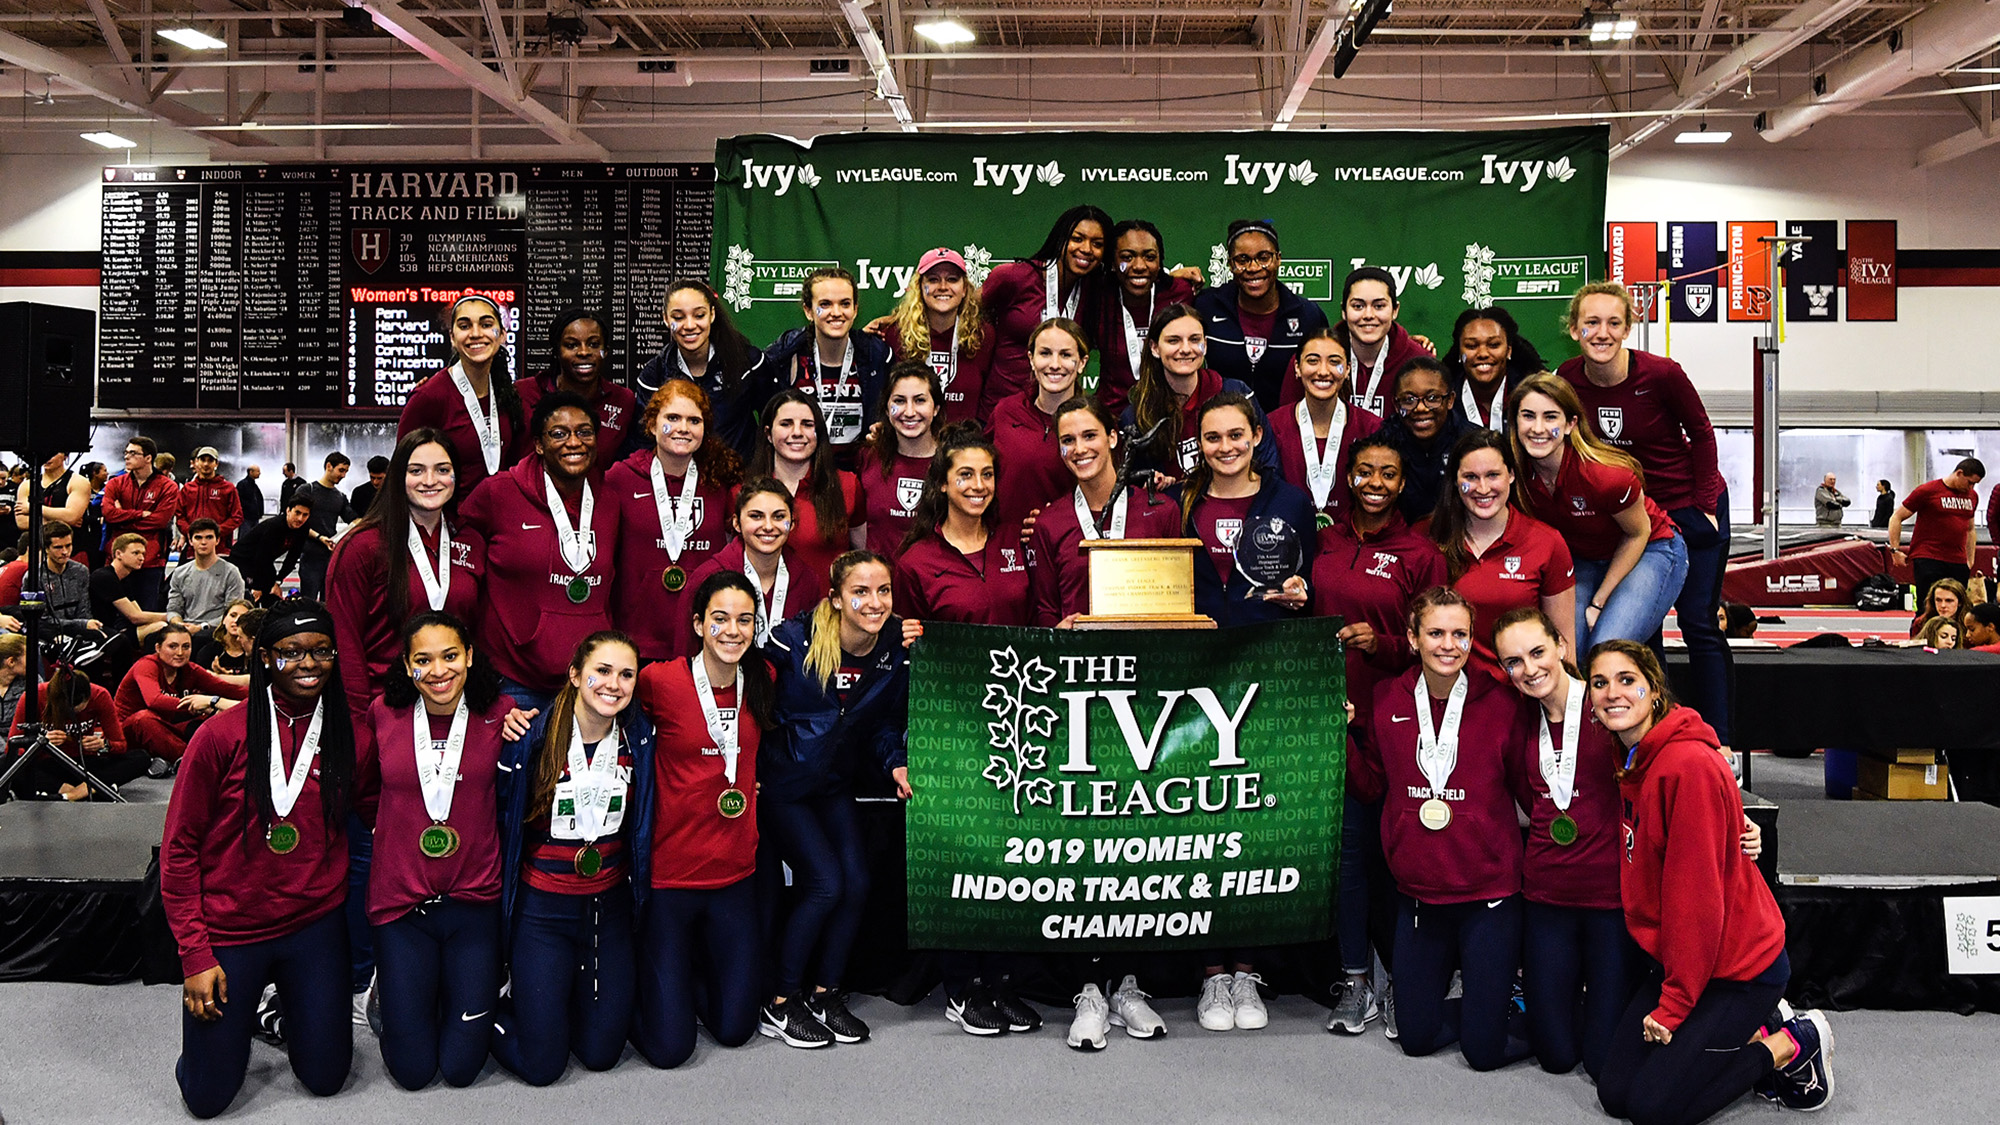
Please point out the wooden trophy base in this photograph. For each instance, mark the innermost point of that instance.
(1142, 584)
(1134, 621)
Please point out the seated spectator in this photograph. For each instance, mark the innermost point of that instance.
(1736, 620)
(226, 649)
(115, 593)
(273, 549)
(1980, 628)
(165, 697)
(1938, 633)
(204, 584)
(13, 671)
(76, 715)
(65, 585)
(1946, 598)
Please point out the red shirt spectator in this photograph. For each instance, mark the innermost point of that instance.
(210, 498)
(1943, 510)
(145, 508)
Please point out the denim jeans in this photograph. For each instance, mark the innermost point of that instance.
(1711, 671)
(1636, 608)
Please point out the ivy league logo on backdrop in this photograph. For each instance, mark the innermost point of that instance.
(779, 176)
(1527, 173)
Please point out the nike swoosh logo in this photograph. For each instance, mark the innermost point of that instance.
(477, 1015)
(1400, 718)
(1496, 902)
(640, 495)
(1636, 394)
(531, 527)
(1217, 319)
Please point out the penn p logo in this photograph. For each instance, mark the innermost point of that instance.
(1700, 299)
(1611, 421)
(1513, 564)
(908, 491)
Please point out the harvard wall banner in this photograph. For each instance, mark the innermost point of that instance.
(1081, 791)
(1513, 218)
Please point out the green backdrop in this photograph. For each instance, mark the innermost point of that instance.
(1513, 217)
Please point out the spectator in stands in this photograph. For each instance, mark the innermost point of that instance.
(1829, 505)
(1947, 598)
(13, 670)
(90, 534)
(1937, 633)
(202, 587)
(366, 491)
(1943, 541)
(293, 482)
(272, 550)
(77, 716)
(1885, 503)
(65, 584)
(1980, 628)
(207, 496)
(144, 502)
(329, 507)
(114, 601)
(165, 464)
(166, 696)
(1993, 518)
(250, 496)
(226, 649)
(65, 495)
(1736, 620)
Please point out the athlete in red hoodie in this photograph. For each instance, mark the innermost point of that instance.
(1701, 1030)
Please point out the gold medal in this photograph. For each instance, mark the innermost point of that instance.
(674, 579)
(1434, 814)
(732, 803)
(589, 861)
(282, 837)
(438, 841)
(1322, 521)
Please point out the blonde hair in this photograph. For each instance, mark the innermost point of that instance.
(823, 636)
(1582, 440)
(913, 326)
(1595, 289)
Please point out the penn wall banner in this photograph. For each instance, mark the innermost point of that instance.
(1513, 218)
(1078, 791)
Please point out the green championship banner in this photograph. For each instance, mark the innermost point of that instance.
(1514, 218)
(1124, 790)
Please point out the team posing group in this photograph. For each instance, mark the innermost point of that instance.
(597, 664)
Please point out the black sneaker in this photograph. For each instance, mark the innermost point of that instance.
(271, 1018)
(1019, 1014)
(791, 1022)
(830, 1009)
(1806, 1083)
(158, 767)
(975, 1014)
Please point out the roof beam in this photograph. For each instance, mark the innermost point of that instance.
(1938, 38)
(1309, 67)
(114, 40)
(409, 27)
(878, 61)
(29, 55)
(496, 31)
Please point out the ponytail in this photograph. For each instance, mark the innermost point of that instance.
(823, 632)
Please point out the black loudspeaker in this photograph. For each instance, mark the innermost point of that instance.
(48, 365)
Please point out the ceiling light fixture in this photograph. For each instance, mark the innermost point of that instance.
(1609, 27)
(109, 140)
(192, 39)
(945, 32)
(1701, 136)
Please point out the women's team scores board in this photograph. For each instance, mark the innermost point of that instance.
(317, 287)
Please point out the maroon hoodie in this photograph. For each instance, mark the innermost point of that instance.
(358, 598)
(527, 623)
(615, 409)
(804, 588)
(1693, 900)
(1477, 857)
(1373, 579)
(1116, 372)
(1398, 349)
(1292, 453)
(1031, 466)
(390, 795)
(661, 627)
(1584, 873)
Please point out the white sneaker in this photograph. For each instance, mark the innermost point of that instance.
(1250, 1011)
(1216, 1010)
(1086, 1031)
(1130, 1011)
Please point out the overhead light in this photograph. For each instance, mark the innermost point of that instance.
(945, 33)
(193, 40)
(109, 140)
(1607, 27)
(1702, 136)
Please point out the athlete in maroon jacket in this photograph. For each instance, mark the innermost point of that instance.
(890, 475)
(1378, 346)
(940, 323)
(577, 362)
(1144, 288)
(960, 563)
(761, 552)
(472, 401)
(1064, 278)
(1324, 422)
(551, 536)
(1095, 508)
(1024, 424)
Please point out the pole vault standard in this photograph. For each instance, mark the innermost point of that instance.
(1767, 349)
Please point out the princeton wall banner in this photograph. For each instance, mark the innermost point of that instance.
(1514, 218)
(1114, 790)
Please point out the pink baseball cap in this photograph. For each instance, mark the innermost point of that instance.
(941, 256)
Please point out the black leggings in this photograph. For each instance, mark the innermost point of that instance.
(1482, 940)
(1576, 974)
(685, 929)
(1711, 1061)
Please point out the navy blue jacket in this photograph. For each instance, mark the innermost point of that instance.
(817, 742)
(735, 412)
(872, 360)
(1231, 604)
(1267, 450)
(1297, 318)
(516, 780)
(1424, 462)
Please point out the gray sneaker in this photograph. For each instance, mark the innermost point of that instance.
(1389, 1010)
(1353, 1006)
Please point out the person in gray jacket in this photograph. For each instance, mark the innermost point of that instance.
(1829, 505)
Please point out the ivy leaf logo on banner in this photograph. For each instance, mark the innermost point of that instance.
(737, 271)
(978, 263)
(808, 176)
(1302, 173)
(1050, 174)
(1014, 757)
(1559, 170)
(1218, 264)
(1428, 277)
(1478, 290)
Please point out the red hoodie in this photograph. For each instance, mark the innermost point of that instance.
(1681, 805)
(214, 499)
(662, 629)
(616, 410)
(527, 623)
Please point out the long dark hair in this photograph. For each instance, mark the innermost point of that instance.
(758, 692)
(1523, 358)
(828, 500)
(717, 463)
(482, 683)
(391, 513)
(336, 737)
(1448, 519)
(932, 508)
(732, 349)
(1058, 237)
(553, 752)
(883, 443)
(1202, 476)
(1099, 411)
(499, 378)
(1152, 400)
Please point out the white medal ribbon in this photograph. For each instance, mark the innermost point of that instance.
(579, 547)
(767, 614)
(723, 731)
(1559, 764)
(1051, 286)
(1493, 421)
(1368, 399)
(676, 513)
(1437, 750)
(1134, 350)
(843, 419)
(286, 787)
(1319, 467)
(486, 424)
(437, 583)
(437, 774)
(595, 781)
(1087, 519)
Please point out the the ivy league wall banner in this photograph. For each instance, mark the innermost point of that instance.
(1513, 218)
(1116, 790)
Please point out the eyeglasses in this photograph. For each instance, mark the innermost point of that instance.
(318, 655)
(562, 434)
(1245, 261)
(135, 453)
(1434, 398)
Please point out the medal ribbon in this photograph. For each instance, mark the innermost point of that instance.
(1319, 466)
(676, 513)
(1051, 287)
(437, 774)
(1437, 750)
(595, 778)
(487, 423)
(1472, 408)
(1367, 396)
(579, 547)
(723, 731)
(767, 614)
(436, 584)
(1087, 519)
(1133, 351)
(1559, 763)
(286, 787)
